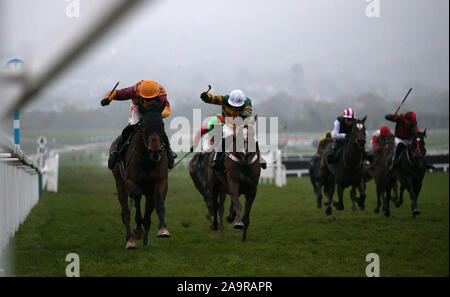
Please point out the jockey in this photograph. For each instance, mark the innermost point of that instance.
(323, 142)
(216, 119)
(379, 138)
(342, 127)
(235, 104)
(141, 94)
(405, 130)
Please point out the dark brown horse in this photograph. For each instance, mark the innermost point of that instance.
(241, 178)
(348, 170)
(383, 177)
(411, 171)
(198, 170)
(143, 172)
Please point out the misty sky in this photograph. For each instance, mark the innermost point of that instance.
(186, 45)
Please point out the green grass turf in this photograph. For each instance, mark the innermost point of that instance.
(288, 235)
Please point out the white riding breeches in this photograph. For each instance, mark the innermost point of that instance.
(135, 115)
(397, 140)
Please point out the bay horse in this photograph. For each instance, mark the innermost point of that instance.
(314, 176)
(383, 177)
(348, 170)
(198, 170)
(411, 170)
(143, 171)
(240, 178)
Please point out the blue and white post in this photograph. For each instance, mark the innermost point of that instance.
(16, 129)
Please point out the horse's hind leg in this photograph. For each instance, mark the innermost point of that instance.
(149, 207)
(249, 198)
(214, 196)
(329, 191)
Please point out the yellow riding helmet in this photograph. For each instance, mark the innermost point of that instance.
(148, 89)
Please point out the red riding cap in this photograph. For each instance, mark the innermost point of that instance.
(385, 131)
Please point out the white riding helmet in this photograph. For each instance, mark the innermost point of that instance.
(349, 113)
(237, 98)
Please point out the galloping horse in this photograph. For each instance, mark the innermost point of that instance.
(383, 177)
(411, 171)
(348, 170)
(314, 176)
(143, 172)
(241, 177)
(198, 170)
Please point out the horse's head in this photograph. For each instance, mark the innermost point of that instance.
(153, 130)
(245, 141)
(358, 133)
(417, 146)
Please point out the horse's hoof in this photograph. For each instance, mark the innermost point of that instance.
(328, 211)
(416, 212)
(376, 210)
(131, 245)
(398, 204)
(230, 219)
(387, 214)
(163, 233)
(239, 225)
(214, 227)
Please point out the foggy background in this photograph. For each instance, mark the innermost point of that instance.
(303, 61)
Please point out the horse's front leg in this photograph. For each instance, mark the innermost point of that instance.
(149, 207)
(249, 198)
(160, 197)
(412, 194)
(353, 198)
(233, 188)
(138, 232)
(123, 200)
(378, 190)
(340, 191)
(362, 195)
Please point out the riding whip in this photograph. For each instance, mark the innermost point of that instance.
(190, 151)
(403, 101)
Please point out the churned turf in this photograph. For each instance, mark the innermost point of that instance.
(288, 235)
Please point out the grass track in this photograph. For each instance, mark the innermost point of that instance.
(288, 236)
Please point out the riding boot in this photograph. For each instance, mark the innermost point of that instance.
(217, 162)
(331, 157)
(171, 156)
(395, 156)
(114, 156)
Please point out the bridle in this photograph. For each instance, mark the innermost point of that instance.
(417, 151)
(144, 140)
(240, 161)
(353, 140)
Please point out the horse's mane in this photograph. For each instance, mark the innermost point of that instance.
(152, 120)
